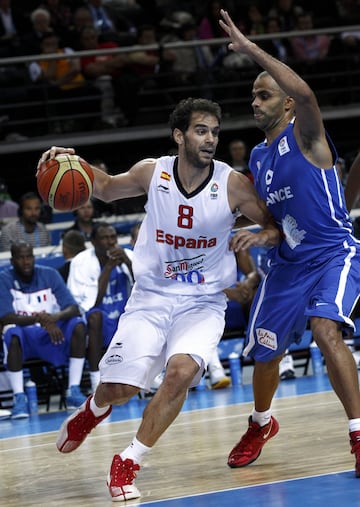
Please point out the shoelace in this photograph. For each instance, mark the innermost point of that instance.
(123, 472)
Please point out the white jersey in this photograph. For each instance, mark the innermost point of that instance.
(183, 242)
(83, 282)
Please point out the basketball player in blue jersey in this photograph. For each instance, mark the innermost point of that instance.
(315, 270)
(175, 314)
(100, 279)
(41, 320)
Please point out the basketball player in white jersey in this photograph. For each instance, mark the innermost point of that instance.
(315, 270)
(183, 260)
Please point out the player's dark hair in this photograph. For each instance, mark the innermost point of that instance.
(97, 226)
(74, 241)
(181, 116)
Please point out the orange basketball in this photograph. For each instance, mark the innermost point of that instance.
(65, 182)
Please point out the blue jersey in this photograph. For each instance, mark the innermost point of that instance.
(112, 304)
(315, 271)
(307, 202)
(46, 292)
(116, 296)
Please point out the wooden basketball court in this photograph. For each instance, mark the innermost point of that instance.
(188, 464)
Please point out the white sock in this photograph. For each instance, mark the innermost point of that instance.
(135, 451)
(262, 418)
(97, 411)
(354, 425)
(214, 361)
(94, 380)
(76, 366)
(16, 379)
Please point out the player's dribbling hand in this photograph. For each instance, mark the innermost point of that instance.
(51, 153)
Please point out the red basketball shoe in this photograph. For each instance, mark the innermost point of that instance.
(355, 449)
(77, 426)
(249, 448)
(120, 480)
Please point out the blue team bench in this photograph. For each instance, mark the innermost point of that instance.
(63, 220)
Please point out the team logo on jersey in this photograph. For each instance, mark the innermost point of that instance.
(213, 191)
(293, 235)
(186, 270)
(114, 359)
(162, 188)
(266, 338)
(165, 176)
(268, 178)
(283, 146)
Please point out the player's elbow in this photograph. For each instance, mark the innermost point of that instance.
(103, 190)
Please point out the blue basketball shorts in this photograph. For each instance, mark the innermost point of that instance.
(35, 341)
(291, 293)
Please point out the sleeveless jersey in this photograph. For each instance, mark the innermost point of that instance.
(307, 202)
(183, 242)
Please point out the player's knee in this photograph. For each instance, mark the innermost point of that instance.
(15, 343)
(327, 334)
(180, 372)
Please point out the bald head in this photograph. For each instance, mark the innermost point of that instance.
(273, 107)
(264, 79)
(20, 246)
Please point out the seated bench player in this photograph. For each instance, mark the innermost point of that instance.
(41, 321)
(100, 279)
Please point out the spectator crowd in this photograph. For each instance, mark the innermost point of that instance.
(106, 87)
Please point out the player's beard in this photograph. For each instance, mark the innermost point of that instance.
(194, 158)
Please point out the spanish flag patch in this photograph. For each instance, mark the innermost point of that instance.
(165, 176)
